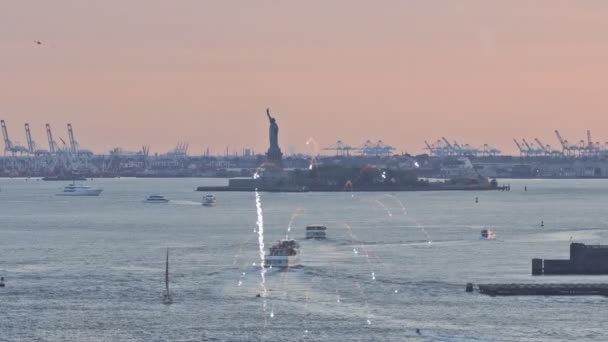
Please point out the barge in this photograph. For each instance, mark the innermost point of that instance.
(541, 289)
(584, 260)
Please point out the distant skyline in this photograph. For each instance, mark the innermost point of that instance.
(145, 72)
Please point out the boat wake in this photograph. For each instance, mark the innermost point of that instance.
(184, 202)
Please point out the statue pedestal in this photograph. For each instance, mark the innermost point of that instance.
(274, 156)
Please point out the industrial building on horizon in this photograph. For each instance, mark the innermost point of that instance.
(586, 159)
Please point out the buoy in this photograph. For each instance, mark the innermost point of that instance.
(525, 188)
(476, 199)
(1, 281)
(542, 223)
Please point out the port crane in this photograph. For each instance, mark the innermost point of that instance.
(490, 151)
(31, 146)
(342, 149)
(430, 148)
(521, 150)
(565, 147)
(532, 150)
(377, 149)
(73, 142)
(591, 147)
(49, 136)
(8, 144)
(449, 146)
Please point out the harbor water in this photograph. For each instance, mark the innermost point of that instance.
(92, 268)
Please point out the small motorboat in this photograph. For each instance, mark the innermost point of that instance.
(209, 200)
(487, 234)
(156, 199)
(316, 232)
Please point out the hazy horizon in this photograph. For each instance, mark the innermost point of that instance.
(158, 72)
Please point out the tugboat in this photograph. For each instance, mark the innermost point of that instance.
(282, 255)
(316, 232)
(209, 200)
(487, 234)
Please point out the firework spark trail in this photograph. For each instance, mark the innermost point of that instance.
(398, 202)
(260, 225)
(314, 150)
(369, 257)
(368, 321)
(353, 239)
(383, 206)
(295, 214)
(336, 282)
(371, 267)
(240, 250)
(418, 225)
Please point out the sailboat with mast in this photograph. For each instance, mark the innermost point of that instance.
(167, 299)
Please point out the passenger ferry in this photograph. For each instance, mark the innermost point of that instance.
(282, 255)
(79, 190)
(316, 232)
(209, 200)
(156, 199)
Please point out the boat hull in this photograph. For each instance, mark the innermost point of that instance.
(91, 192)
(280, 261)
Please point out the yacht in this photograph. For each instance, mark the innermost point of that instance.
(79, 190)
(316, 232)
(209, 201)
(282, 255)
(156, 199)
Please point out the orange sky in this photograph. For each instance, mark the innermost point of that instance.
(128, 73)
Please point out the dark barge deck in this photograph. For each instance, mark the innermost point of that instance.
(544, 289)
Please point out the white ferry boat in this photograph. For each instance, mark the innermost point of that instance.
(156, 199)
(209, 200)
(316, 232)
(79, 190)
(282, 255)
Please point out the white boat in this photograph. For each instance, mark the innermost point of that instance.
(156, 199)
(79, 190)
(209, 200)
(282, 255)
(316, 232)
(167, 299)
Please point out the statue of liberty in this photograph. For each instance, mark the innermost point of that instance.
(273, 131)
(274, 152)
